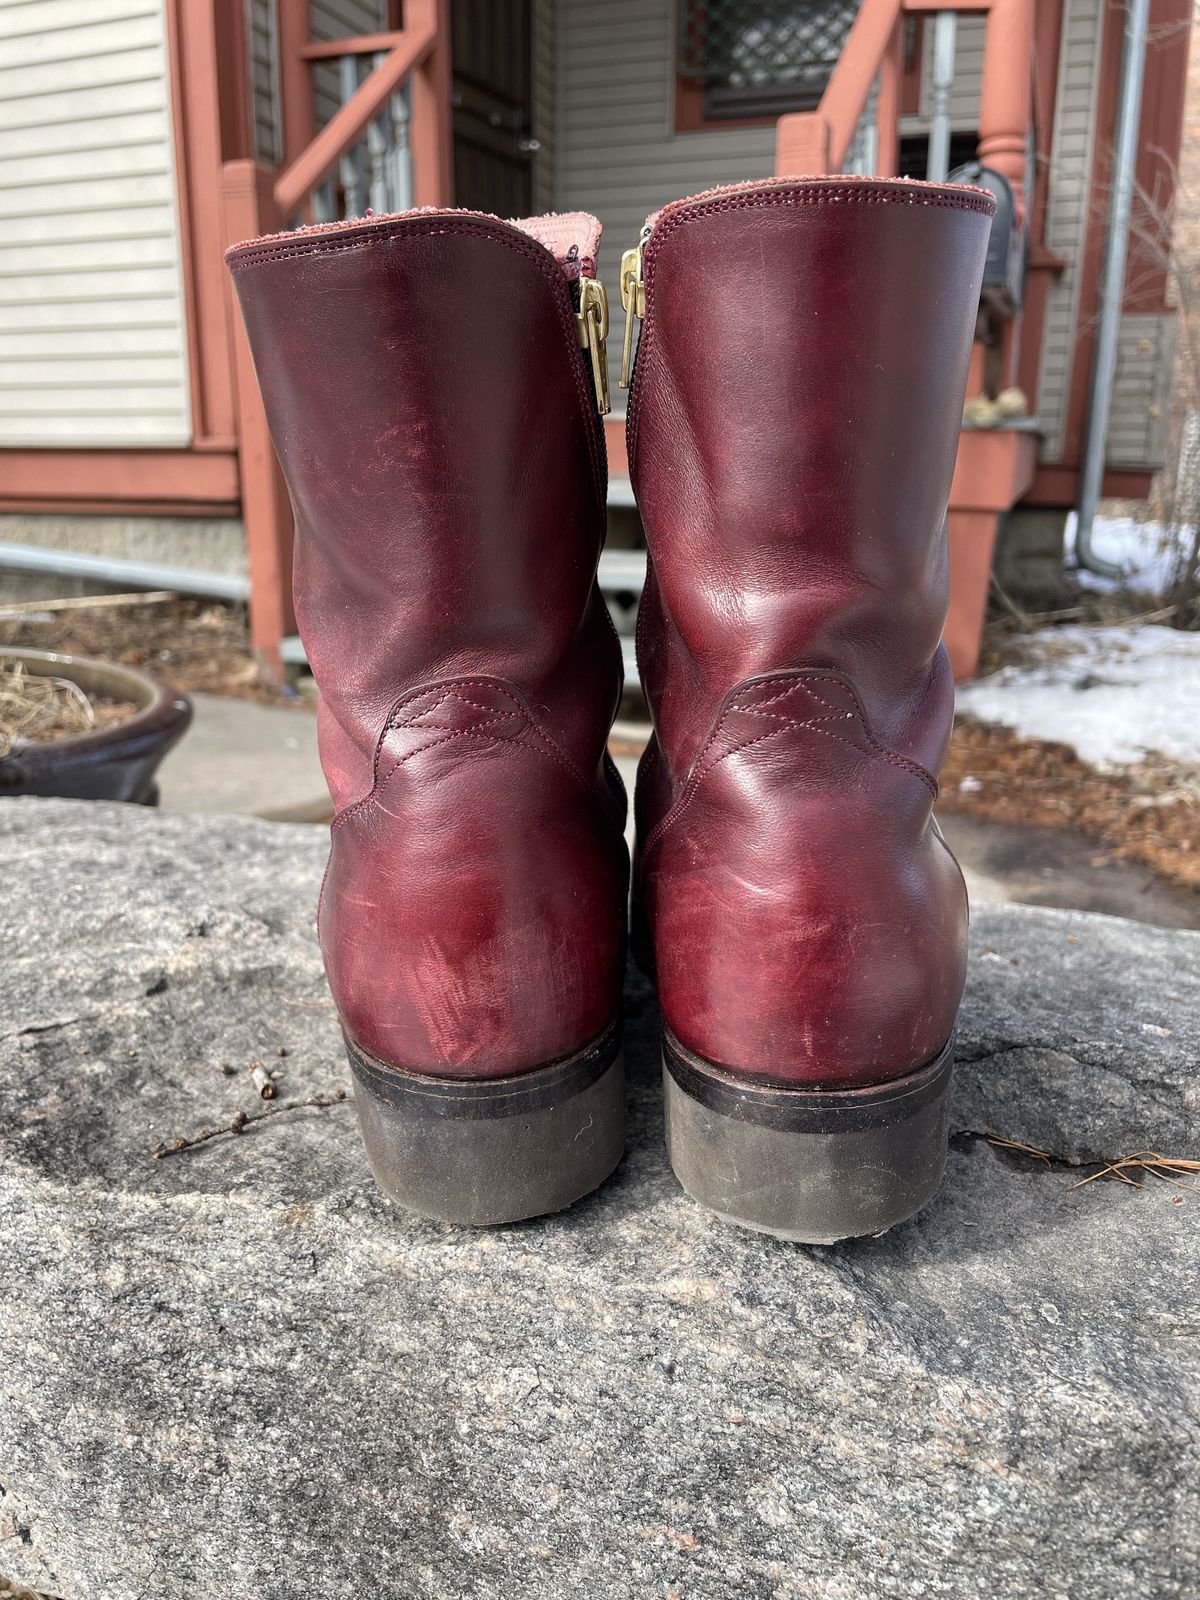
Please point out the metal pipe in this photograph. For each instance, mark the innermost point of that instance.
(1112, 287)
(127, 574)
(937, 161)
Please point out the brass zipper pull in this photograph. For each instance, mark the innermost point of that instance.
(592, 322)
(633, 298)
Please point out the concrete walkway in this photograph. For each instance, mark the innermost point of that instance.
(242, 758)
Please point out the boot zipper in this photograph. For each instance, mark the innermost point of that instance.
(633, 298)
(592, 321)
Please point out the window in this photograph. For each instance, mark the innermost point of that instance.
(749, 59)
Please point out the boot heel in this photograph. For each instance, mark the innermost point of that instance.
(495, 1150)
(815, 1165)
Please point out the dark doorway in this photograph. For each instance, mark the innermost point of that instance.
(491, 56)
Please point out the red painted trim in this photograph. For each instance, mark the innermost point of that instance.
(42, 478)
(691, 117)
(1043, 266)
(197, 59)
(914, 62)
(122, 508)
(1057, 486)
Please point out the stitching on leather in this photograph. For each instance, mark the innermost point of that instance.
(512, 745)
(807, 195)
(477, 705)
(877, 749)
(537, 254)
(874, 749)
(544, 745)
(411, 722)
(703, 772)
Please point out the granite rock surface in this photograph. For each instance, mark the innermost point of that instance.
(237, 1371)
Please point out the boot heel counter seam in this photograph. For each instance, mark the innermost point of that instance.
(870, 745)
(541, 743)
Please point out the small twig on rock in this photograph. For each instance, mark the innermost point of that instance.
(1159, 1166)
(1021, 1149)
(261, 1079)
(1167, 1168)
(175, 1146)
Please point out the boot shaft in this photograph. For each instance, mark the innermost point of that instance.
(432, 407)
(793, 425)
(792, 433)
(433, 414)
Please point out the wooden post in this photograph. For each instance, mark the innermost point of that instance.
(1005, 110)
(297, 112)
(249, 206)
(430, 133)
(887, 105)
(1006, 92)
(802, 145)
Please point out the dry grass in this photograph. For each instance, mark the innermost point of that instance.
(190, 644)
(1125, 1169)
(1148, 813)
(36, 709)
(17, 1591)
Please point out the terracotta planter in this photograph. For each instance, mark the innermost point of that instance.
(114, 763)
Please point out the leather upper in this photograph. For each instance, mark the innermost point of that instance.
(792, 433)
(429, 404)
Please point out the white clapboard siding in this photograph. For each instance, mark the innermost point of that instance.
(93, 344)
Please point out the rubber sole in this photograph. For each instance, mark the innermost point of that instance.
(814, 1165)
(496, 1150)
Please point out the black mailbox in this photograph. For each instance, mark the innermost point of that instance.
(1004, 270)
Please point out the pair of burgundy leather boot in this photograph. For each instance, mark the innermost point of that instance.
(433, 383)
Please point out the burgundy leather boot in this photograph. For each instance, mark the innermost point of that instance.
(793, 425)
(428, 382)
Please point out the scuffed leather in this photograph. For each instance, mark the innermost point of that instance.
(430, 407)
(792, 432)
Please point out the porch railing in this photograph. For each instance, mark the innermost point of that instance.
(388, 147)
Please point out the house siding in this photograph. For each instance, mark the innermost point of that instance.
(968, 79)
(264, 80)
(1137, 424)
(341, 19)
(329, 19)
(616, 150)
(1071, 153)
(93, 346)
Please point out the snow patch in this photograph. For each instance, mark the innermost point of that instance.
(1146, 553)
(1114, 694)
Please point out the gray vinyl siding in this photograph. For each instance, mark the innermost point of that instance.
(1141, 401)
(328, 19)
(264, 80)
(93, 344)
(545, 36)
(341, 19)
(1071, 154)
(616, 150)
